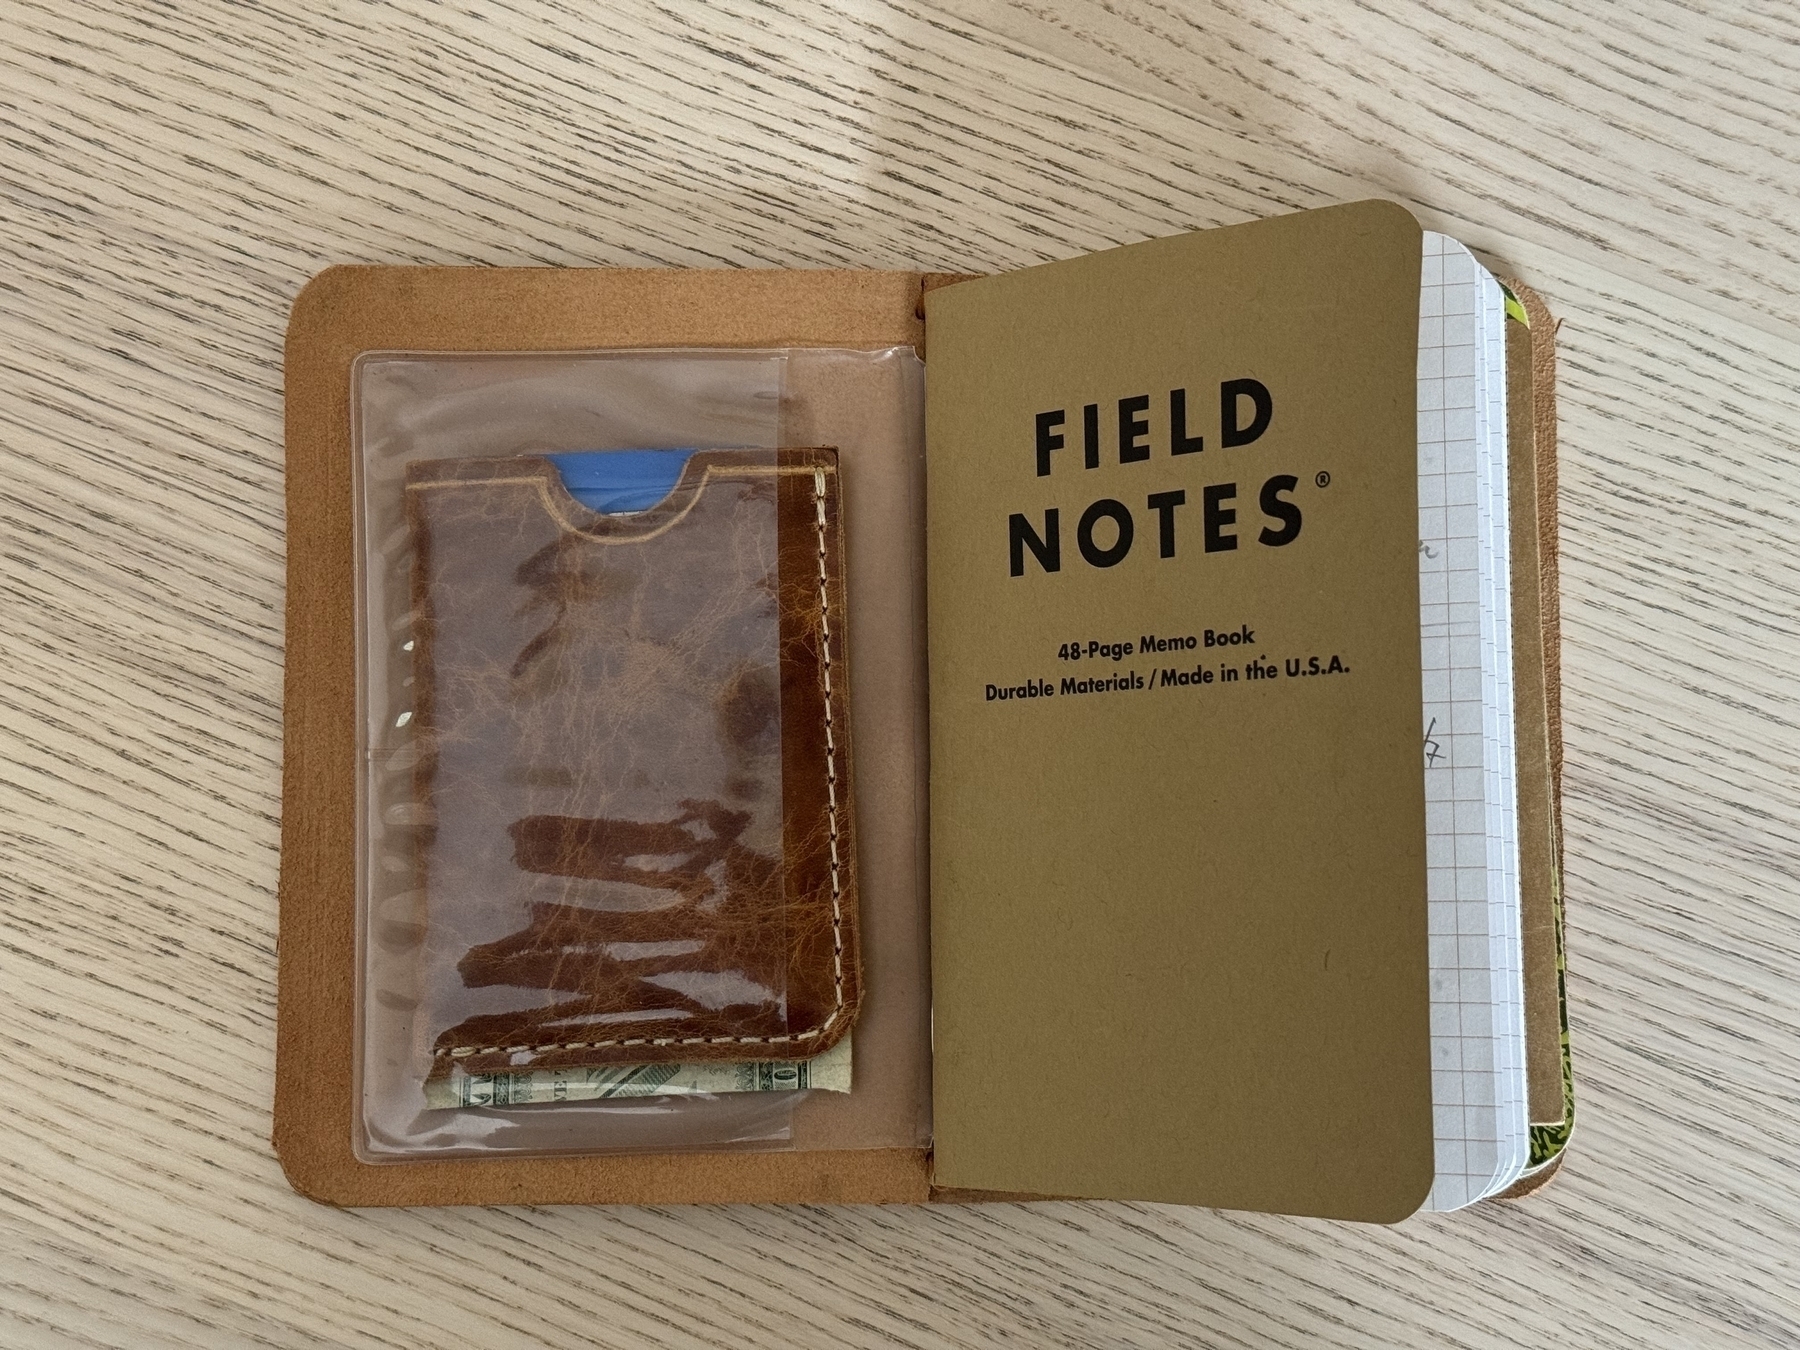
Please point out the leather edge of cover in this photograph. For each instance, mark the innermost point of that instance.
(774, 1177)
(341, 313)
(1543, 372)
(1536, 805)
(1543, 381)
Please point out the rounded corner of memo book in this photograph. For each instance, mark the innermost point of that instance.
(1385, 216)
(1414, 1198)
(1405, 1194)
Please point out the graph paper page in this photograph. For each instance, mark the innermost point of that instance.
(1478, 1081)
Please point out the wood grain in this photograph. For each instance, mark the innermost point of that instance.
(170, 175)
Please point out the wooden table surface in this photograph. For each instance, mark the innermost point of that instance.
(171, 173)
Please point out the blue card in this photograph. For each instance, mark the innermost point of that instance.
(620, 481)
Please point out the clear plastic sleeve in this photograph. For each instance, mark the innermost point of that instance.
(588, 919)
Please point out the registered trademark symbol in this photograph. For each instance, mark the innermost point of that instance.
(1323, 479)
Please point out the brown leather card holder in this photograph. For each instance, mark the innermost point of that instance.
(632, 776)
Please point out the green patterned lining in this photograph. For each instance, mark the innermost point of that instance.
(1548, 1141)
(1514, 309)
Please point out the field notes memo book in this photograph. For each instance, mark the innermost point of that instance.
(1225, 819)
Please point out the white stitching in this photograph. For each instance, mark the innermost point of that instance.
(837, 914)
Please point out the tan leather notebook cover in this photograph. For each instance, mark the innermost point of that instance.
(349, 311)
(342, 314)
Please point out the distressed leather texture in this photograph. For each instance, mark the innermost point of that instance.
(633, 771)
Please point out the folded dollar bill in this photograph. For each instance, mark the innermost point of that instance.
(829, 1072)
